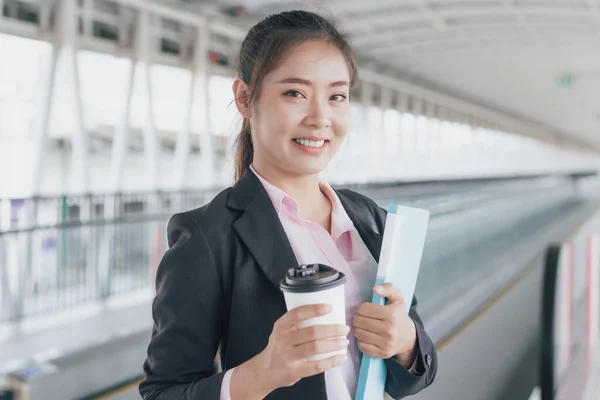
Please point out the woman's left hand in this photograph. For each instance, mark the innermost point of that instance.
(385, 331)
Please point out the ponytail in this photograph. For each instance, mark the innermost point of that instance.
(244, 150)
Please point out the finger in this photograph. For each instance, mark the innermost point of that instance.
(371, 310)
(310, 368)
(316, 332)
(393, 294)
(306, 350)
(368, 337)
(293, 317)
(371, 350)
(369, 324)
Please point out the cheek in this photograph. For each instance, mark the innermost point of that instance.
(278, 116)
(341, 123)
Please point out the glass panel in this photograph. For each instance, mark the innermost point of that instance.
(23, 74)
(170, 93)
(103, 99)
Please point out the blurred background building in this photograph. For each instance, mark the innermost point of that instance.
(116, 114)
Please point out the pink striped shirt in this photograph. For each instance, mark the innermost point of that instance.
(343, 249)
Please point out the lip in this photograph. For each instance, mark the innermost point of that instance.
(312, 150)
(313, 138)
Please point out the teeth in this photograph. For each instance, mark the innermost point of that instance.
(310, 143)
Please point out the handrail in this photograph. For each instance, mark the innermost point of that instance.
(548, 317)
(190, 199)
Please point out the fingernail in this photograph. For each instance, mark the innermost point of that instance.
(379, 288)
(346, 329)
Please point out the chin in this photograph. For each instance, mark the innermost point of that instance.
(310, 168)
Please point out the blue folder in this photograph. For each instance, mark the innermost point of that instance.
(399, 262)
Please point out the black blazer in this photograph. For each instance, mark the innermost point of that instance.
(218, 284)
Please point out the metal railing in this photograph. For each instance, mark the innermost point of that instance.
(60, 252)
(65, 251)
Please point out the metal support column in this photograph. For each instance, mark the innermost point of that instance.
(39, 142)
(86, 16)
(207, 174)
(80, 136)
(151, 151)
(68, 18)
(197, 94)
(121, 136)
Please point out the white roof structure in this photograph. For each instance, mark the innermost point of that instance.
(533, 65)
(536, 59)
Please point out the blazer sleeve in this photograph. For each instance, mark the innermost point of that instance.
(401, 383)
(188, 312)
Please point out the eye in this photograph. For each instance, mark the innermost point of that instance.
(339, 97)
(293, 93)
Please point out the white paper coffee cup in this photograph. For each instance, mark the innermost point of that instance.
(316, 284)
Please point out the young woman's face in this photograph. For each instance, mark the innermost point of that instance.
(302, 113)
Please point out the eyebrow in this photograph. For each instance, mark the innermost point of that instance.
(306, 82)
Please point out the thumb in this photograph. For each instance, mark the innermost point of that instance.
(393, 294)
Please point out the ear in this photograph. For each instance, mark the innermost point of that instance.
(242, 97)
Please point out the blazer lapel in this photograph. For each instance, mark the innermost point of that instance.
(364, 222)
(260, 229)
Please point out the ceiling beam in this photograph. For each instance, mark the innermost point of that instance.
(476, 30)
(237, 32)
(357, 6)
(380, 20)
(594, 7)
(510, 7)
(407, 38)
(389, 36)
(438, 22)
(469, 108)
(161, 10)
(413, 45)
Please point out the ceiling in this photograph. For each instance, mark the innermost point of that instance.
(507, 54)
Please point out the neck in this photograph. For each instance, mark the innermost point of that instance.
(304, 188)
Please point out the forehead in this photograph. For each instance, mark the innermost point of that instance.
(313, 60)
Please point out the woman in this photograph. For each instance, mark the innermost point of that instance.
(218, 284)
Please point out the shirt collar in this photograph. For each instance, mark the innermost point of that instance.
(340, 221)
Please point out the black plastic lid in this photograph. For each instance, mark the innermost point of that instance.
(308, 278)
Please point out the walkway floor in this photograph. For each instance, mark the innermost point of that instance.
(49, 337)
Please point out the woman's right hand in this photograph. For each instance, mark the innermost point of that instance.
(284, 361)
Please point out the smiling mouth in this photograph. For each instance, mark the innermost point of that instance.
(311, 143)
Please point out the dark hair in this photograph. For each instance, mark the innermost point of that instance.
(262, 50)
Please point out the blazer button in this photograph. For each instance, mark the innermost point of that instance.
(428, 360)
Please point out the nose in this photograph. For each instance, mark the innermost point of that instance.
(318, 115)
